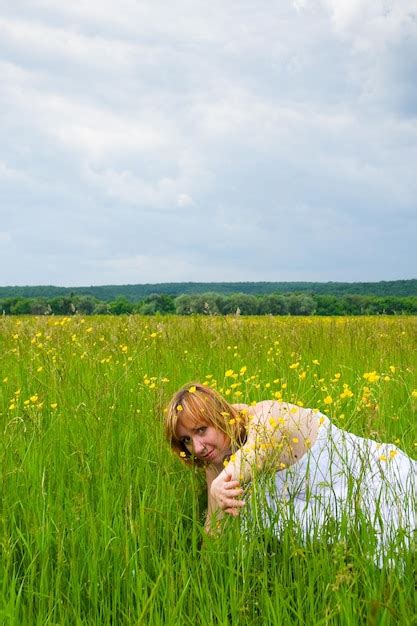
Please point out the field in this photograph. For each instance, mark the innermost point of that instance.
(100, 524)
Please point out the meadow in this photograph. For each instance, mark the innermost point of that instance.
(100, 524)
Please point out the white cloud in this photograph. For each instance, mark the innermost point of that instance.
(212, 130)
(5, 237)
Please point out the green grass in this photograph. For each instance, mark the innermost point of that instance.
(100, 524)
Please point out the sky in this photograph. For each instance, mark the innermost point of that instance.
(184, 140)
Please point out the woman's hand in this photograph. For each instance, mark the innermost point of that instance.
(225, 493)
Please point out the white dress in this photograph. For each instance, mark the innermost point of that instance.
(344, 479)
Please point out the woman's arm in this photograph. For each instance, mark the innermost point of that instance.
(230, 491)
(269, 426)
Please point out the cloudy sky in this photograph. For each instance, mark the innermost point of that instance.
(146, 141)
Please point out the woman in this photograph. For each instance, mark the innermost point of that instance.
(320, 472)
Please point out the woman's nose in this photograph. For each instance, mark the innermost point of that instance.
(198, 446)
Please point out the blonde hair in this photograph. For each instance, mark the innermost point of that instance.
(202, 406)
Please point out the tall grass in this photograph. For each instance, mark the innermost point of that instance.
(100, 524)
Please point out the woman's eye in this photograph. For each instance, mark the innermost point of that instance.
(185, 440)
(202, 429)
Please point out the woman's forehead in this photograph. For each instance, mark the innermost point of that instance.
(188, 422)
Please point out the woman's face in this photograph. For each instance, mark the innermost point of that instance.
(204, 441)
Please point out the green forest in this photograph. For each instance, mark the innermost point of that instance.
(136, 293)
(213, 304)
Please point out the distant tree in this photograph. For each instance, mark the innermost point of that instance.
(301, 304)
(40, 306)
(85, 304)
(157, 303)
(205, 304)
(245, 303)
(102, 308)
(273, 304)
(121, 306)
(62, 305)
(7, 305)
(22, 306)
(354, 304)
(328, 305)
(225, 304)
(183, 305)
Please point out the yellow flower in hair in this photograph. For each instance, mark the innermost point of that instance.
(182, 455)
(179, 408)
(192, 389)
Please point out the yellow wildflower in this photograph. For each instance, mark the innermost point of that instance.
(328, 400)
(53, 405)
(371, 377)
(295, 439)
(182, 454)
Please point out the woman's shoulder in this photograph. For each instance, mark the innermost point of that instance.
(272, 407)
(272, 411)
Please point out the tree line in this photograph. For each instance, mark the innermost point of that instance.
(138, 292)
(213, 304)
